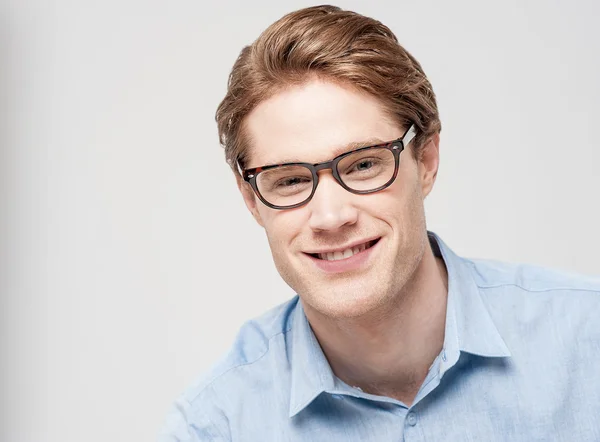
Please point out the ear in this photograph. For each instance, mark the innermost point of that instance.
(249, 198)
(428, 166)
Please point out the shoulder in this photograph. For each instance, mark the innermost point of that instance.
(529, 295)
(252, 343)
(202, 406)
(490, 274)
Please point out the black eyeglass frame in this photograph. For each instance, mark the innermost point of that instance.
(395, 146)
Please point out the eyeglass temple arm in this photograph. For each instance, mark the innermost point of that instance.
(409, 136)
(239, 168)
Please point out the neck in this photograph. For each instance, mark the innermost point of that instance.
(390, 352)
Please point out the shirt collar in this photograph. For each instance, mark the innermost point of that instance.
(311, 372)
(469, 328)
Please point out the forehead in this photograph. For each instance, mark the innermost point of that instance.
(314, 122)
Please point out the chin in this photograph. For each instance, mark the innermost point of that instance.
(346, 300)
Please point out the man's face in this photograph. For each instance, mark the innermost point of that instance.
(313, 123)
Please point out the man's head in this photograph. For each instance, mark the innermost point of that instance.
(317, 83)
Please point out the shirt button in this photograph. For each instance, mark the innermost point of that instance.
(411, 419)
(444, 355)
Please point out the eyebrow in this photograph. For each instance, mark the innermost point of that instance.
(337, 151)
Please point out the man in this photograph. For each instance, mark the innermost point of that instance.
(332, 131)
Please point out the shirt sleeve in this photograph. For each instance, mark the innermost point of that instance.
(184, 423)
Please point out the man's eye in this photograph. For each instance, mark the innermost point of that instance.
(364, 165)
(292, 181)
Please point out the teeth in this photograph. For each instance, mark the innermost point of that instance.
(335, 256)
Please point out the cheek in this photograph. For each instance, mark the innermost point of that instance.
(402, 201)
(282, 227)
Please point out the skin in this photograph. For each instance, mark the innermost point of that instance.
(381, 326)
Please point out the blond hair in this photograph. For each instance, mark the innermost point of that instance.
(336, 45)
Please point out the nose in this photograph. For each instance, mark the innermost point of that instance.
(331, 206)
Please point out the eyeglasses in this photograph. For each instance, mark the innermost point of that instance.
(361, 171)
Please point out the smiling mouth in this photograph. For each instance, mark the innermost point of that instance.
(344, 254)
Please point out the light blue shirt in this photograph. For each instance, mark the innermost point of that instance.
(520, 362)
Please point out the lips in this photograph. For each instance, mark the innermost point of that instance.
(348, 252)
(330, 263)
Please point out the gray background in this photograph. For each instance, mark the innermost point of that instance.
(128, 258)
